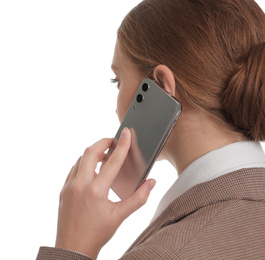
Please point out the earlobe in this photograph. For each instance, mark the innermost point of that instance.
(165, 79)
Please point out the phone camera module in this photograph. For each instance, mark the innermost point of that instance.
(145, 87)
(139, 98)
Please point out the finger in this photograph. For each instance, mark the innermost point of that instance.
(102, 157)
(112, 166)
(72, 172)
(68, 176)
(91, 157)
(136, 200)
(65, 183)
(75, 169)
(101, 160)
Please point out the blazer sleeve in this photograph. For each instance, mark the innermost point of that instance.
(52, 253)
(147, 253)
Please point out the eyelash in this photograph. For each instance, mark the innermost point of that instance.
(115, 81)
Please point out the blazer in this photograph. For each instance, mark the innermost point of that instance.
(220, 219)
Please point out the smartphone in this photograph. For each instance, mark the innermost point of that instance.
(151, 117)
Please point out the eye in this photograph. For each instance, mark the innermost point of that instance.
(115, 81)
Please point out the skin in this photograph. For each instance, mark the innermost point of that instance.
(86, 218)
(128, 80)
(196, 132)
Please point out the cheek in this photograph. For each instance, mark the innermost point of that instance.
(124, 99)
(122, 105)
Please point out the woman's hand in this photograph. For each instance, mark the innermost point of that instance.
(87, 219)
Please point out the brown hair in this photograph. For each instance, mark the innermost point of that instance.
(215, 49)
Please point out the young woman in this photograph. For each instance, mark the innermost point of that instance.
(209, 55)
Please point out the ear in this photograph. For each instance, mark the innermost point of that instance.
(165, 79)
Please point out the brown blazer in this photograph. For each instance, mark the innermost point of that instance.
(220, 219)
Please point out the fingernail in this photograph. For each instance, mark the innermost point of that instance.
(151, 184)
(124, 133)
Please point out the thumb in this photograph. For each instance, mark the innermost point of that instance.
(137, 199)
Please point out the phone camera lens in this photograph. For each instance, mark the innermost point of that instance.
(139, 98)
(145, 87)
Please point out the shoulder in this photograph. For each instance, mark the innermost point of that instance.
(224, 218)
(226, 229)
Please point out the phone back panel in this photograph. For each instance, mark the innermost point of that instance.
(150, 122)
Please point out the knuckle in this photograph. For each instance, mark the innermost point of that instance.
(61, 195)
(123, 143)
(95, 191)
(118, 156)
(87, 151)
(113, 160)
(64, 192)
(141, 200)
(106, 139)
(76, 190)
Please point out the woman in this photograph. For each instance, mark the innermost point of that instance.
(209, 55)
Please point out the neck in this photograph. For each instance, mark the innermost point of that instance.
(194, 135)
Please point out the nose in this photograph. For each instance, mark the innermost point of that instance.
(116, 111)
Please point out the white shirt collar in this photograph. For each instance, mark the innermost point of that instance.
(232, 157)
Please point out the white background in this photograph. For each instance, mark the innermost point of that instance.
(55, 100)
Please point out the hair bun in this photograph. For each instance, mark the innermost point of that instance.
(243, 100)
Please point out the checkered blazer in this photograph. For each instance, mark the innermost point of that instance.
(219, 219)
